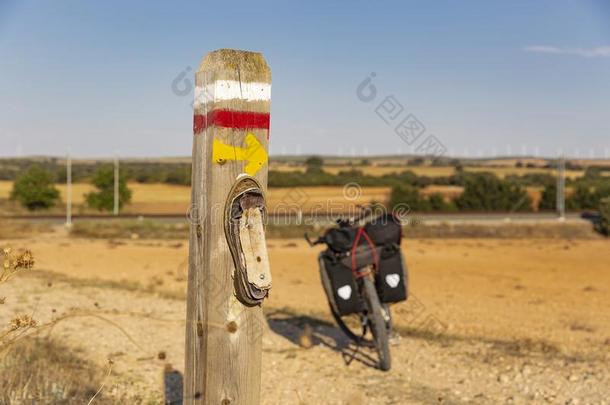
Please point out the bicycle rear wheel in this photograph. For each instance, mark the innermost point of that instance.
(378, 324)
(349, 324)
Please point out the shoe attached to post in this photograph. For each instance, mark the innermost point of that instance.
(245, 215)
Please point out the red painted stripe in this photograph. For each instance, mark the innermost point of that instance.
(230, 119)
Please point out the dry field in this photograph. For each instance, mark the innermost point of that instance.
(374, 170)
(172, 199)
(433, 171)
(522, 320)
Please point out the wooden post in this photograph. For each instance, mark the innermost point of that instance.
(231, 135)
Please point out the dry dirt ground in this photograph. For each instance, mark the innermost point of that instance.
(488, 321)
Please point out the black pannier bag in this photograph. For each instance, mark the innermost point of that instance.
(340, 285)
(341, 240)
(384, 230)
(391, 280)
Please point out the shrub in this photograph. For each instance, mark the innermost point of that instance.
(46, 371)
(584, 197)
(179, 176)
(548, 200)
(34, 189)
(486, 192)
(603, 226)
(436, 202)
(418, 161)
(314, 164)
(103, 199)
(408, 195)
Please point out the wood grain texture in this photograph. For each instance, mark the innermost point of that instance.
(254, 246)
(223, 337)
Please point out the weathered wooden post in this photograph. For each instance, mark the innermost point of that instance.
(228, 265)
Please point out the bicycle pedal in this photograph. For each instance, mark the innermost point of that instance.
(245, 216)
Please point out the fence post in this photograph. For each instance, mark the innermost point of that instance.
(231, 134)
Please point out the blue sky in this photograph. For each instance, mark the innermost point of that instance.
(95, 78)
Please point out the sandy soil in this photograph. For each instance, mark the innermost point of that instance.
(488, 321)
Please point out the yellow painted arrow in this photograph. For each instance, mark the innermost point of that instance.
(254, 153)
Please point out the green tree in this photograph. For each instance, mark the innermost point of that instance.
(409, 195)
(34, 189)
(436, 202)
(486, 192)
(103, 199)
(603, 226)
(314, 164)
(548, 200)
(179, 175)
(592, 172)
(418, 161)
(602, 189)
(583, 198)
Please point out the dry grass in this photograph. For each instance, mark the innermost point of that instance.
(175, 199)
(520, 171)
(172, 199)
(5, 189)
(37, 370)
(20, 229)
(141, 192)
(43, 371)
(155, 286)
(324, 198)
(148, 229)
(503, 231)
(34, 370)
(374, 170)
(432, 171)
(13, 262)
(130, 229)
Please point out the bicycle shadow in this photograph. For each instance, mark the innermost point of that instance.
(291, 326)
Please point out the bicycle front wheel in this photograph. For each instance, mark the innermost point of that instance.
(377, 323)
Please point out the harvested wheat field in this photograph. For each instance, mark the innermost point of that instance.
(488, 321)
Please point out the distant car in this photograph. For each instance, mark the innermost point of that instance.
(593, 216)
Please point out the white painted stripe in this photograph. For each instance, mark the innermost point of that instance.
(231, 89)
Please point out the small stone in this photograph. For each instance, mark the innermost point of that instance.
(503, 378)
(306, 337)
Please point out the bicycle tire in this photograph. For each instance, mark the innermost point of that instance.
(378, 324)
(342, 325)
